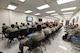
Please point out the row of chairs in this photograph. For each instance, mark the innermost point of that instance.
(75, 40)
(35, 44)
(20, 34)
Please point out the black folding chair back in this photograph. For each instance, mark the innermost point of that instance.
(23, 32)
(32, 30)
(13, 35)
(4, 30)
(34, 45)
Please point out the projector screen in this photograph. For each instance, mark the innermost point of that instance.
(29, 19)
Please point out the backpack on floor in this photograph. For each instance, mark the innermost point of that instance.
(65, 37)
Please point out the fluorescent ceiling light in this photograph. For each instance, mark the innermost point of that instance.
(66, 9)
(55, 14)
(68, 13)
(62, 47)
(43, 7)
(50, 11)
(11, 7)
(22, 0)
(28, 11)
(64, 1)
(37, 14)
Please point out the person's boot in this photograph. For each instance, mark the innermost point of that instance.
(20, 52)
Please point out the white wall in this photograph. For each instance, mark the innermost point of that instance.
(10, 17)
(44, 20)
(48, 19)
(20, 17)
(4, 18)
(75, 17)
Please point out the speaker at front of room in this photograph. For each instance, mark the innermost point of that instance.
(40, 20)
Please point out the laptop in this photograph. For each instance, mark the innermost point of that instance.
(75, 37)
(30, 35)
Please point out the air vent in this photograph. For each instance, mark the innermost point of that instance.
(12, 3)
(49, 1)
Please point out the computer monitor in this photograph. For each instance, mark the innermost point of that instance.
(29, 19)
(40, 20)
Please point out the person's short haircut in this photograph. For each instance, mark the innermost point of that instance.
(50, 26)
(39, 27)
(12, 25)
(53, 24)
(23, 24)
(16, 22)
(77, 24)
(44, 23)
(36, 23)
(28, 24)
(47, 25)
(3, 23)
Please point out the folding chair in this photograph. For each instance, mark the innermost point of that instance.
(11, 36)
